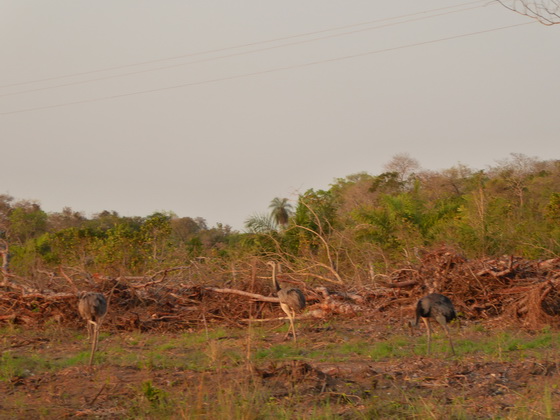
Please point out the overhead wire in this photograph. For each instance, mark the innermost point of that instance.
(306, 34)
(273, 70)
(80, 82)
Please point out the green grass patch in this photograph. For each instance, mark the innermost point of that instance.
(281, 352)
(24, 365)
(207, 375)
(506, 345)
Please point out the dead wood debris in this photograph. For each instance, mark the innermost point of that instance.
(508, 290)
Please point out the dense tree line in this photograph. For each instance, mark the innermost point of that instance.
(361, 225)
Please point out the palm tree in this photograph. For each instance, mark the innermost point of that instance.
(281, 211)
(260, 223)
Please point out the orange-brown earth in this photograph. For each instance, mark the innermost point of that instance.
(136, 375)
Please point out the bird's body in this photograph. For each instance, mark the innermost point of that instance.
(92, 307)
(439, 308)
(292, 300)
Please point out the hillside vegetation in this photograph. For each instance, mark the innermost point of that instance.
(363, 226)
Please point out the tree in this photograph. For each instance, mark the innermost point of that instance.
(515, 173)
(5, 209)
(405, 168)
(155, 233)
(387, 183)
(120, 248)
(184, 228)
(26, 221)
(546, 12)
(351, 193)
(281, 211)
(314, 219)
(260, 223)
(553, 207)
(5, 254)
(452, 182)
(67, 218)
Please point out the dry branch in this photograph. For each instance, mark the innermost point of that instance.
(254, 296)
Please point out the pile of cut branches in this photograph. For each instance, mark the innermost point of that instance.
(506, 290)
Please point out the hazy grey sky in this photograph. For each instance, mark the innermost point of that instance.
(212, 108)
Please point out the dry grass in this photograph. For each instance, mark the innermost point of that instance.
(343, 369)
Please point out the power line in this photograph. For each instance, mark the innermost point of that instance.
(234, 54)
(241, 46)
(274, 70)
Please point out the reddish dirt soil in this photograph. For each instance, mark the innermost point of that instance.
(473, 384)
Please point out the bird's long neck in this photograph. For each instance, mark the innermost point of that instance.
(414, 322)
(417, 314)
(274, 279)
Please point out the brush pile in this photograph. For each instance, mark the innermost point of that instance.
(505, 291)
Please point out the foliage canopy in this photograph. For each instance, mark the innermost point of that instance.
(361, 221)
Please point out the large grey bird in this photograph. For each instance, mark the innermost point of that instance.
(92, 307)
(438, 307)
(291, 299)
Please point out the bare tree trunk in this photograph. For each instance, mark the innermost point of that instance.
(5, 252)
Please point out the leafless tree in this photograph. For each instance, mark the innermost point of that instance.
(546, 12)
(5, 257)
(404, 166)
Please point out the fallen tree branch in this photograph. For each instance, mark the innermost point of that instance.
(168, 270)
(405, 283)
(247, 294)
(148, 284)
(69, 280)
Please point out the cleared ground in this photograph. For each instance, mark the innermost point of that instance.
(340, 368)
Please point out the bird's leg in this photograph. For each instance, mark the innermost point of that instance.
(290, 326)
(96, 340)
(293, 327)
(441, 320)
(287, 310)
(289, 331)
(429, 329)
(93, 341)
(88, 328)
(446, 328)
(97, 327)
(91, 329)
